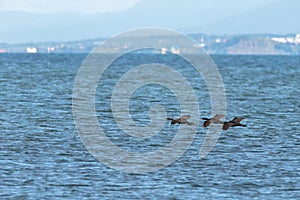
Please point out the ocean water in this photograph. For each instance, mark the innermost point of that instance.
(43, 157)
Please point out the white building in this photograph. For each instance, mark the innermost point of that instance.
(31, 50)
(50, 49)
(164, 50)
(280, 40)
(297, 38)
(293, 40)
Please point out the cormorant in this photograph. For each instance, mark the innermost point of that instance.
(215, 119)
(235, 122)
(182, 120)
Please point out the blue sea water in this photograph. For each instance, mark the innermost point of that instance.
(43, 157)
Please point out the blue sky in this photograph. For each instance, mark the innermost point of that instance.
(61, 20)
(52, 6)
(105, 6)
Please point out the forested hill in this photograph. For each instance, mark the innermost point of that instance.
(252, 44)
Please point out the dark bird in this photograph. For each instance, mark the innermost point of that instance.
(182, 120)
(235, 122)
(215, 119)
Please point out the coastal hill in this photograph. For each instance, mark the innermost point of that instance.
(252, 44)
(230, 17)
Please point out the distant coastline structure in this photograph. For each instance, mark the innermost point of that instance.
(247, 44)
(32, 50)
(164, 50)
(50, 49)
(297, 39)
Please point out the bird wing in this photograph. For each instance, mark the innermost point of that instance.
(175, 121)
(206, 123)
(227, 125)
(239, 124)
(185, 117)
(218, 116)
(237, 119)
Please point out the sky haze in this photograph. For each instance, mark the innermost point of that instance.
(43, 20)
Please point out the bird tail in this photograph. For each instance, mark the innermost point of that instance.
(170, 118)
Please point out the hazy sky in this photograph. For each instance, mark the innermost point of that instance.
(61, 20)
(50, 6)
(93, 6)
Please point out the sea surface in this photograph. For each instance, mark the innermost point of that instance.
(43, 156)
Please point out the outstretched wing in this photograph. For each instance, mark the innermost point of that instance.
(218, 116)
(185, 117)
(206, 123)
(238, 119)
(239, 124)
(227, 125)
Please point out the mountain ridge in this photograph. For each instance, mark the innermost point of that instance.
(250, 44)
(188, 18)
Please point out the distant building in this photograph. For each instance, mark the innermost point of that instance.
(280, 40)
(202, 41)
(297, 39)
(218, 40)
(164, 50)
(50, 49)
(31, 50)
(292, 40)
(175, 50)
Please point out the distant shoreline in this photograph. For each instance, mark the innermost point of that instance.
(246, 44)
